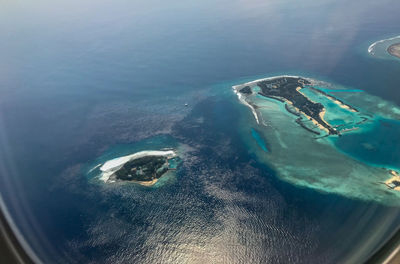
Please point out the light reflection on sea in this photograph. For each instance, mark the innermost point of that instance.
(77, 78)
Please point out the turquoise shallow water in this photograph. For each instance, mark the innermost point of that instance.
(92, 169)
(352, 164)
(342, 90)
(335, 115)
(378, 146)
(81, 83)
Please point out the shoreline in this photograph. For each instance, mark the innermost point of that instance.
(237, 87)
(342, 105)
(321, 127)
(111, 166)
(252, 83)
(390, 183)
(321, 114)
(146, 183)
(372, 46)
(336, 101)
(334, 110)
(319, 122)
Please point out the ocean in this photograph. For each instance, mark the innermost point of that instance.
(84, 82)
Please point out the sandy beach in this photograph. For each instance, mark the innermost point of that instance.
(242, 99)
(113, 165)
(342, 105)
(322, 114)
(146, 183)
(316, 123)
(298, 90)
(336, 101)
(252, 83)
(395, 177)
(236, 89)
(310, 118)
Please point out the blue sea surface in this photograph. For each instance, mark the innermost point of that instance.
(84, 82)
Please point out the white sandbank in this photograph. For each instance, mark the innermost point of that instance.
(237, 87)
(113, 165)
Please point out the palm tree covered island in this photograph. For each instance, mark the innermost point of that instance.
(144, 167)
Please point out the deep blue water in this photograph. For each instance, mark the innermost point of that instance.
(80, 79)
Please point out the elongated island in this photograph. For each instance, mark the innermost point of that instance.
(144, 167)
(292, 90)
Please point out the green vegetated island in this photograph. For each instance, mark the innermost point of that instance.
(394, 50)
(288, 89)
(315, 108)
(144, 167)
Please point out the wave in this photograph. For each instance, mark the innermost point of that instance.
(95, 167)
(372, 46)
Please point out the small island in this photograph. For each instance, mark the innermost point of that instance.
(394, 50)
(144, 167)
(394, 182)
